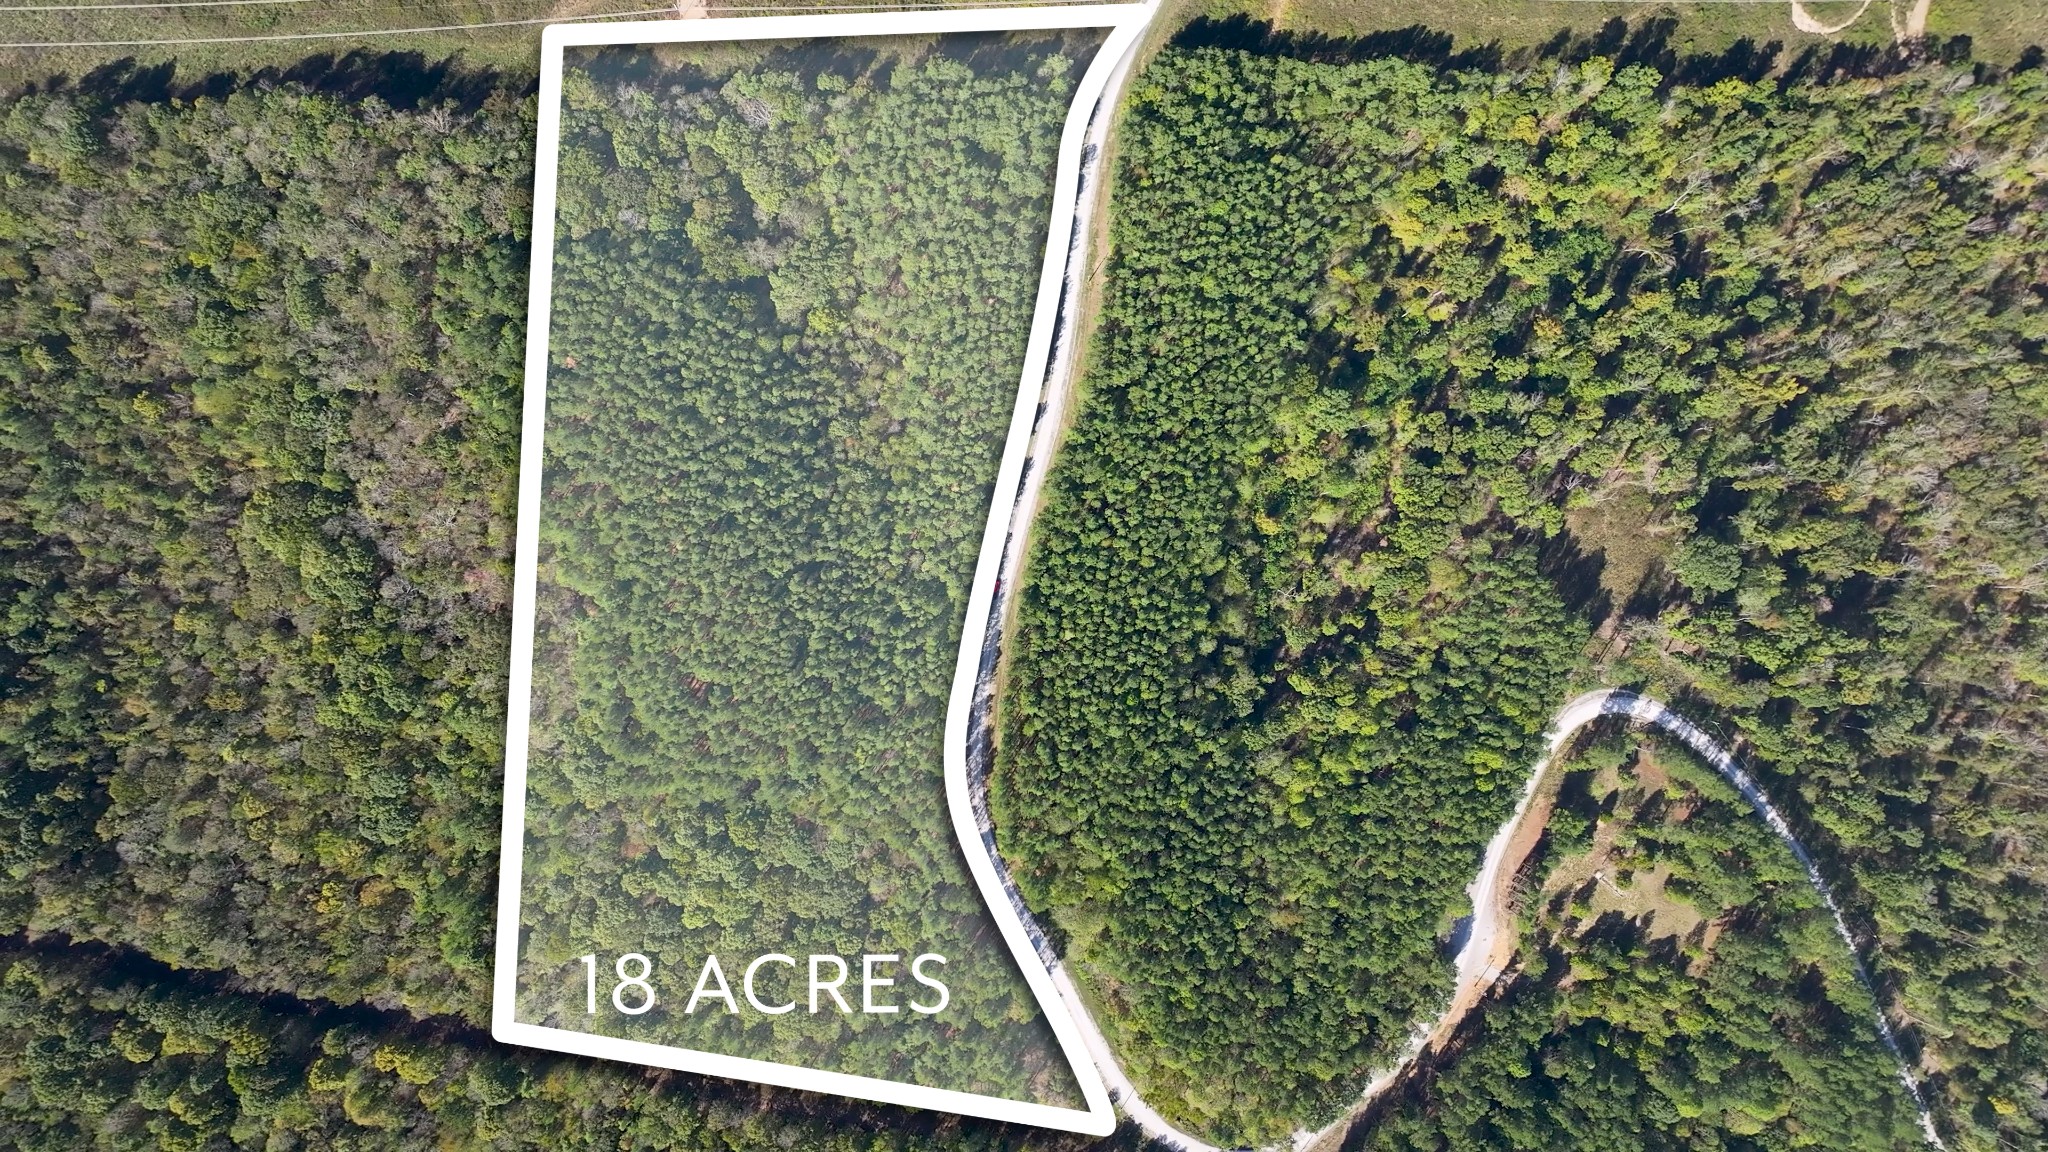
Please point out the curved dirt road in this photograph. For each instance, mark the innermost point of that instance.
(1490, 940)
(1806, 21)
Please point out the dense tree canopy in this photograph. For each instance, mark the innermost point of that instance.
(1748, 369)
(791, 308)
(110, 1051)
(256, 442)
(257, 447)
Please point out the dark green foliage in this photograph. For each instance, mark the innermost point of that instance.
(257, 389)
(108, 1051)
(1370, 329)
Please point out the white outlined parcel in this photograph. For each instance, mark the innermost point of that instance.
(766, 474)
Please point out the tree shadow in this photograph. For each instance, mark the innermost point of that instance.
(1650, 42)
(403, 80)
(1417, 44)
(1576, 576)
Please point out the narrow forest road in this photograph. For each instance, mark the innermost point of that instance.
(1912, 27)
(1806, 21)
(1490, 942)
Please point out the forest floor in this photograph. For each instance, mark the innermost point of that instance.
(1641, 896)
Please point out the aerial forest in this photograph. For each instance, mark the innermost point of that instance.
(791, 303)
(1423, 393)
(1426, 393)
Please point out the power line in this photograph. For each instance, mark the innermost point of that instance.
(325, 9)
(165, 4)
(791, 7)
(329, 35)
(794, 6)
(342, 35)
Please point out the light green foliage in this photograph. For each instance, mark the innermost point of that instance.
(1371, 330)
(1708, 566)
(791, 308)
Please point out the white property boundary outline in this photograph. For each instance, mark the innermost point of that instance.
(1126, 23)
